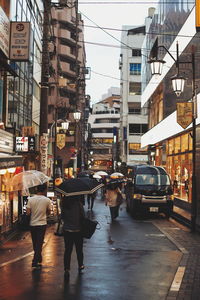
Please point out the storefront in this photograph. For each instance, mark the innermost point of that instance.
(175, 155)
(9, 200)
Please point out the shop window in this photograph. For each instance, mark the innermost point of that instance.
(190, 141)
(184, 143)
(170, 146)
(177, 144)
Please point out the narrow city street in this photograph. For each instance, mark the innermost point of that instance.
(129, 259)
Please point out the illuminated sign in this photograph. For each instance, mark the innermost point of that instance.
(198, 15)
(25, 144)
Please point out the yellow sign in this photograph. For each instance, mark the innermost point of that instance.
(198, 15)
(184, 114)
(60, 141)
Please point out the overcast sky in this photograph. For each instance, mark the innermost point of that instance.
(103, 59)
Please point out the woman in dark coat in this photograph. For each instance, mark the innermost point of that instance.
(72, 213)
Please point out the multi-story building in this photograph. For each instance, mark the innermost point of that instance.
(67, 84)
(19, 100)
(133, 120)
(169, 144)
(104, 127)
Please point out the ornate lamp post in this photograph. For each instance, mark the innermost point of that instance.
(178, 87)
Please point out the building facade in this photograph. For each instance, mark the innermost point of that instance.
(19, 103)
(67, 88)
(169, 144)
(104, 128)
(133, 120)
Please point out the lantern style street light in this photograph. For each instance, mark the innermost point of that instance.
(178, 83)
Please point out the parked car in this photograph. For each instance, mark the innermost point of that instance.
(149, 189)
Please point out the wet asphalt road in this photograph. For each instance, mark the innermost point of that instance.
(129, 259)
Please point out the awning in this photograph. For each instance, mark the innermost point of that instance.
(10, 161)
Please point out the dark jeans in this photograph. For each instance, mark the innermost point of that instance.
(90, 198)
(114, 212)
(37, 234)
(70, 239)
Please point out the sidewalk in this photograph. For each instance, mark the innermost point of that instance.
(188, 273)
(20, 246)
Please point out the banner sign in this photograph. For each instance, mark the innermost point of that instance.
(44, 153)
(25, 144)
(4, 32)
(20, 41)
(60, 141)
(184, 113)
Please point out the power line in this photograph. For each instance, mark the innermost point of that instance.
(134, 2)
(106, 31)
(150, 33)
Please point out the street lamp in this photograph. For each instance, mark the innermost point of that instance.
(178, 87)
(77, 117)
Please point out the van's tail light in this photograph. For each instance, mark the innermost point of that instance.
(137, 196)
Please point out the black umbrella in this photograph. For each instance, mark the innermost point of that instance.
(79, 186)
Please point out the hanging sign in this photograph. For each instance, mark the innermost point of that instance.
(60, 141)
(20, 41)
(197, 15)
(4, 32)
(184, 114)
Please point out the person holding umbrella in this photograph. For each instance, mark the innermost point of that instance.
(72, 213)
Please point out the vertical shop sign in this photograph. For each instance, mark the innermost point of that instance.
(20, 41)
(197, 15)
(43, 152)
(4, 32)
(184, 114)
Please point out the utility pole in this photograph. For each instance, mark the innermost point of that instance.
(44, 88)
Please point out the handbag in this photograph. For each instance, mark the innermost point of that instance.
(60, 228)
(88, 227)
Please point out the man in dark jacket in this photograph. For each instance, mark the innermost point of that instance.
(72, 214)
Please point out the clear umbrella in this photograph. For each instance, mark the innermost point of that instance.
(27, 179)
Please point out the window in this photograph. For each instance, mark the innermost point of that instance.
(134, 111)
(135, 88)
(135, 69)
(137, 129)
(133, 147)
(136, 52)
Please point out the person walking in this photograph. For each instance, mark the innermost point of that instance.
(72, 212)
(112, 200)
(90, 200)
(38, 207)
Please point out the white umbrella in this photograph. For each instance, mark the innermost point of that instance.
(96, 176)
(116, 175)
(101, 173)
